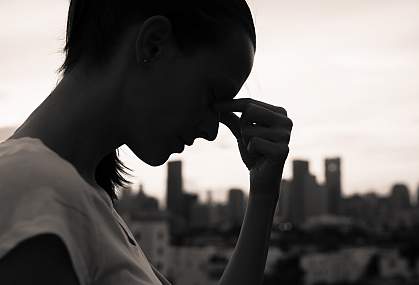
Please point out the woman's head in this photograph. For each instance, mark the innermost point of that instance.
(179, 56)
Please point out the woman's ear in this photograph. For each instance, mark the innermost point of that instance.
(153, 38)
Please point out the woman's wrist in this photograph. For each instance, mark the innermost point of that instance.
(266, 191)
(264, 199)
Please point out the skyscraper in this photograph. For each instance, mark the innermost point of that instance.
(189, 200)
(174, 186)
(399, 197)
(315, 198)
(174, 198)
(333, 185)
(301, 174)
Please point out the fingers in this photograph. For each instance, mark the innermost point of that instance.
(256, 112)
(262, 129)
(274, 135)
(240, 105)
(264, 117)
(267, 148)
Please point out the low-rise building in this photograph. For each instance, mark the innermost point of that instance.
(346, 265)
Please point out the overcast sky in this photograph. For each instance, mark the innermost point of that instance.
(347, 71)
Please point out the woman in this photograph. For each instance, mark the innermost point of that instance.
(153, 75)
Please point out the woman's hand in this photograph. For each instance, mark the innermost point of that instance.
(263, 133)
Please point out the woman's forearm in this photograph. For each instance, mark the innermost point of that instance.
(263, 133)
(247, 263)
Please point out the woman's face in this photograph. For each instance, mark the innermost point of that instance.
(181, 90)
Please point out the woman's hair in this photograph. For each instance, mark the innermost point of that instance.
(95, 26)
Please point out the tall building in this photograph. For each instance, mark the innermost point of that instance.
(297, 213)
(333, 185)
(174, 198)
(315, 198)
(399, 197)
(236, 206)
(174, 188)
(189, 200)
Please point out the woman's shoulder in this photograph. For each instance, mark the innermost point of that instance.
(27, 153)
(27, 165)
(29, 160)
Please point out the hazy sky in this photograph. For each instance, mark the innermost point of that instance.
(347, 71)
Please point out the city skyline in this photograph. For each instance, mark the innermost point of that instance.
(346, 71)
(301, 171)
(313, 228)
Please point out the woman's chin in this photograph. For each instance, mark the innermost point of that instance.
(155, 164)
(162, 158)
(159, 161)
(154, 160)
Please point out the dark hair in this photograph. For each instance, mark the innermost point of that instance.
(94, 27)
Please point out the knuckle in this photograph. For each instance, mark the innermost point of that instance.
(278, 136)
(284, 151)
(282, 111)
(284, 148)
(290, 123)
(287, 137)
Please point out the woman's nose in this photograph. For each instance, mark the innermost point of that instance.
(209, 127)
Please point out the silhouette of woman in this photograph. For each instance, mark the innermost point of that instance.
(153, 75)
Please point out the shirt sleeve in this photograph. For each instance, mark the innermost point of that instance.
(24, 214)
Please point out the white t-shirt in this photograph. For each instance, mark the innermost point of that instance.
(40, 192)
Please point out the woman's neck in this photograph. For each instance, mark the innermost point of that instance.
(79, 121)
